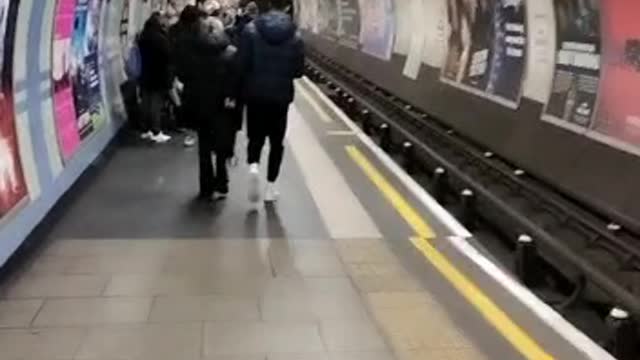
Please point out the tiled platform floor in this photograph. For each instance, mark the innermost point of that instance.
(237, 299)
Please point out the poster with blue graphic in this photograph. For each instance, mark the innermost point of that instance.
(85, 66)
(377, 27)
(487, 48)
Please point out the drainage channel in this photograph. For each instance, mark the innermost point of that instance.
(580, 264)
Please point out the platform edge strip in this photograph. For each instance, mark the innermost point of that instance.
(513, 333)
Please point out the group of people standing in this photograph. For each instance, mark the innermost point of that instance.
(222, 66)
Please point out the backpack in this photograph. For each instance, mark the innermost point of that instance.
(133, 63)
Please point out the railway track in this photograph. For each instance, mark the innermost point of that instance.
(581, 263)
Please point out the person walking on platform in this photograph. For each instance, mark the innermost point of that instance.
(181, 34)
(215, 90)
(155, 77)
(271, 56)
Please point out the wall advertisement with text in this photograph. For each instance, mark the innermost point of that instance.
(618, 110)
(487, 48)
(574, 90)
(75, 72)
(13, 188)
(377, 27)
(349, 26)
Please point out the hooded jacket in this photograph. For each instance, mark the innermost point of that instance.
(155, 54)
(216, 84)
(272, 56)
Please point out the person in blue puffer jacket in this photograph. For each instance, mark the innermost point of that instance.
(271, 54)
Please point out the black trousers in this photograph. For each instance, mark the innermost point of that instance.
(267, 120)
(211, 179)
(152, 105)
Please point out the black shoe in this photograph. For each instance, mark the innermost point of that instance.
(204, 197)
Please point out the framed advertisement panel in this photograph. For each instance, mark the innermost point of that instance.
(75, 73)
(13, 187)
(377, 28)
(573, 99)
(487, 48)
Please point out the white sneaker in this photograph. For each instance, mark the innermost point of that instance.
(271, 194)
(189, 140)
(146, 135)
(218, 196)
(161, 138)
(254, 183)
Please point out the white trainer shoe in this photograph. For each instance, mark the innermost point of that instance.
(161, 138)
(254, 183)
(189, 140)
(146, 135)
(271, 194)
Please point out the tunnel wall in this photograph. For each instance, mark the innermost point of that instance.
(556, 99)
(41, 153)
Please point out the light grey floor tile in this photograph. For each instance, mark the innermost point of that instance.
(379, 277)
(163, 342)
(93, 311)
(154, 285)
(318, 305)
(43, 344)
(355, 335)
(117, 264)
(42, 286)
(357, 355)
(204, 308)
(307, 356)
(261, 337)
(365, 251)
(18, 313)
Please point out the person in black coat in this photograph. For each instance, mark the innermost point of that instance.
(215, 90)
(155, 77)
(271, 57)
(181, 34)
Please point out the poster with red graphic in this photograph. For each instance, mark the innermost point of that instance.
(64, 107)
(618, 111)
(13, 188)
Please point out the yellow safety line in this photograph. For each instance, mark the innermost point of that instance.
(408, 213)
(518, 338)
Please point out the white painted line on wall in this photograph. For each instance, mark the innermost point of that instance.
(340, 209)
(543, 311)
(51, 138)
(47, 35)
(423, 196)
(22, 39)
(20, 96)
(27, 155)
(45, 85)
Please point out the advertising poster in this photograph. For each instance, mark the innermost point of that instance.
(541, 50)
(13, 188)
(84, 70)
(436, 28)
(404, 28)
(618, 115)
(349, 29)
(574, 90)
(487, 48)
(64, 107)
(416, 46)
(308, 15)
(328, 18)
(377, 27)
